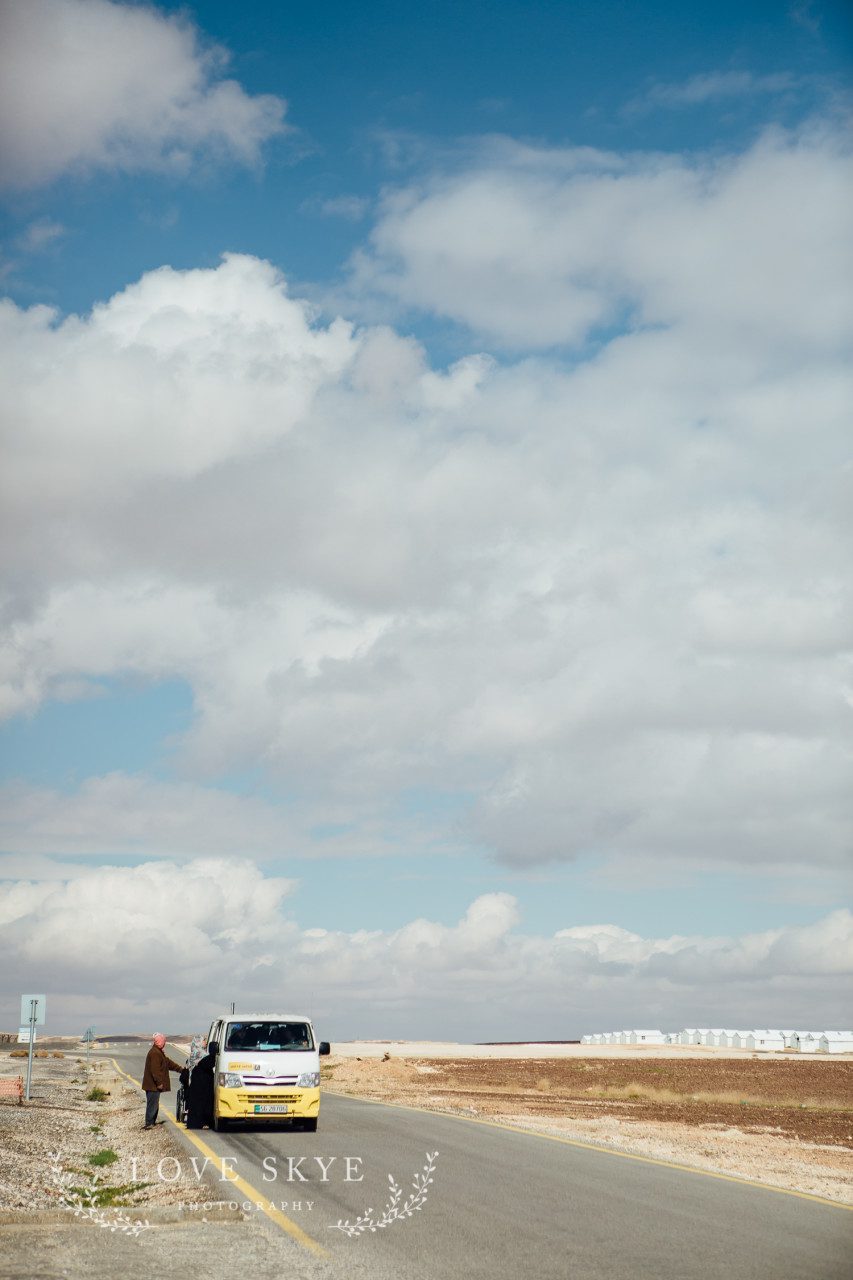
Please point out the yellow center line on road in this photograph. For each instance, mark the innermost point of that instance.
(591, 1146)
(260, 1200)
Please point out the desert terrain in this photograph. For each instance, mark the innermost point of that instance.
(785, 1120)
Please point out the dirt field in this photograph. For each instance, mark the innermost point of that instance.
(784, 1121)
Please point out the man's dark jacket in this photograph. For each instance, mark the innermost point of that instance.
(157, 1068)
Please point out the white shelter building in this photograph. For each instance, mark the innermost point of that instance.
(646, 1037)
(836, 1042)
(766, 1040)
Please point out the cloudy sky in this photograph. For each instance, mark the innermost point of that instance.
(426, 497)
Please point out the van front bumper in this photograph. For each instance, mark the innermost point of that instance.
(240, 1104)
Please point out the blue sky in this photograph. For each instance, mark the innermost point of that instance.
(487, 545)
(353, 76)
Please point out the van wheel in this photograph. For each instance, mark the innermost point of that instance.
(310, 1125)
(220, 1124)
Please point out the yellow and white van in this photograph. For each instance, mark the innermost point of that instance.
(267, 1068)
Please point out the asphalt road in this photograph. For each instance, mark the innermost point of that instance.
(507, 1204)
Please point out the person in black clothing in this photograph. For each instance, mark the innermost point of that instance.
(200, 1093)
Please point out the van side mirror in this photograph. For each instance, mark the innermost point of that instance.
(325, 1047)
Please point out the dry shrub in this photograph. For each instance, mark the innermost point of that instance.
(57, 1054)
(731, 1098)
(636, 1092)
(543, 1084)
(18, 1053)
(735, 1099)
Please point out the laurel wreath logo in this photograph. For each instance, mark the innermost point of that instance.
(82, 1202)
(394, 1211)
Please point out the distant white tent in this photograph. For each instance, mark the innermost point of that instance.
(761, 1039)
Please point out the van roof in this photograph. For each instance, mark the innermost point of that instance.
(239, 1016)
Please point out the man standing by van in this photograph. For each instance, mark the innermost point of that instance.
(155, 1078)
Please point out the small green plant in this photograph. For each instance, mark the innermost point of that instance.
(96, 1128)
(96, 1094)
(100, 1158)
(108, 1197)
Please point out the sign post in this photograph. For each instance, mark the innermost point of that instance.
(88, 1036)
(32, 1011)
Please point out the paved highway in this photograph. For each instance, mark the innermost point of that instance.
(508, 1204)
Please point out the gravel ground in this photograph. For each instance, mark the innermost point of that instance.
(59, 1119)
(189, 1232)
(216, 1251)
(786, 1123)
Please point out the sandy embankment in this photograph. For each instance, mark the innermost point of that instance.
(784, 1120)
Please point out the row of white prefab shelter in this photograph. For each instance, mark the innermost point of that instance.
(720, 1037)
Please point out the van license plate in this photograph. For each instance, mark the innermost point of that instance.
(277, 1108)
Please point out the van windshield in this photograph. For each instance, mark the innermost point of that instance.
(268, 1037)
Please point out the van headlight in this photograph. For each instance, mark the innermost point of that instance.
(230, 1080)
(309, 1080)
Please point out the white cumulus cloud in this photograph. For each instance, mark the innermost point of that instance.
(92, 84)
(538, 247)
(603, 605)
(177, 941)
